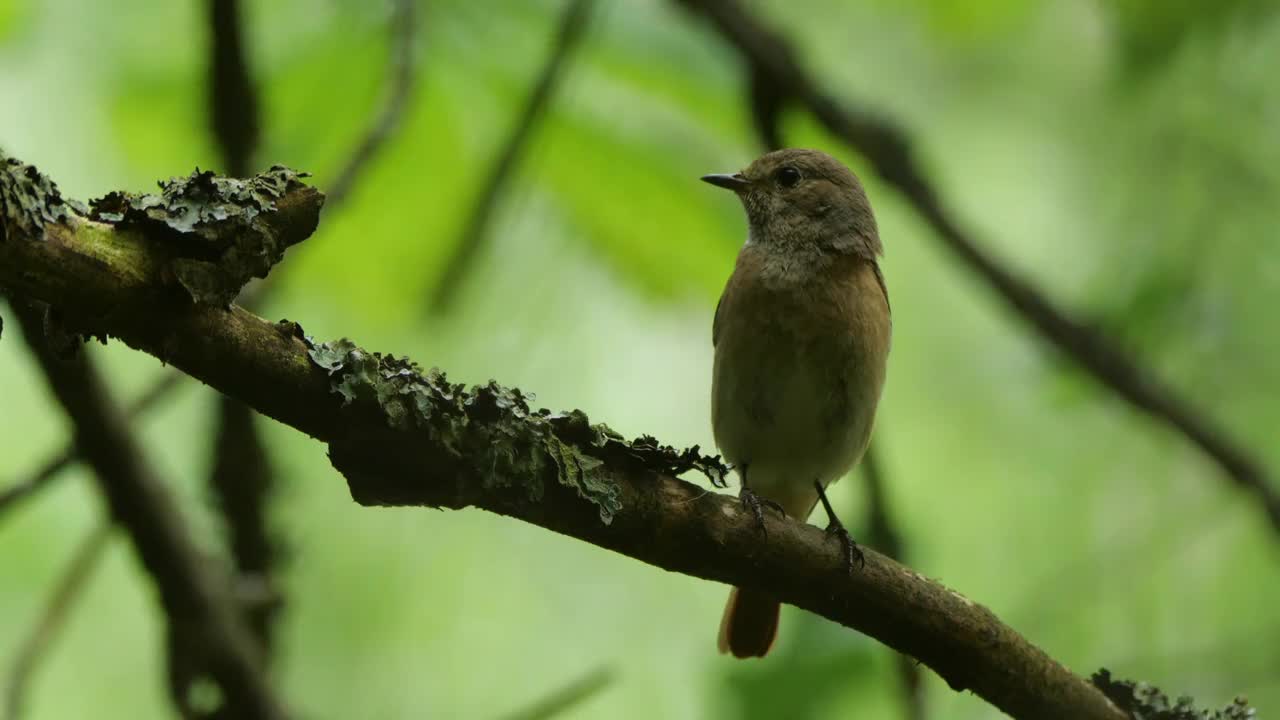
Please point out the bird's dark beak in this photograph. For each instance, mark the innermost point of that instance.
(736, 182)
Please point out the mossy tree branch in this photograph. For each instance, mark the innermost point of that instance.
(404, 437)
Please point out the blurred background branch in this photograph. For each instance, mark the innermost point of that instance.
(195, 600)
(566, 698)
(241, 478)
(234, 114)
(40, 641)
(16, 492)
(402, 78)
(883, 535)
(471, 240)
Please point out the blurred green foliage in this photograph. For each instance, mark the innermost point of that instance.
(10, 16)
(1124, 155)
(1149, 32)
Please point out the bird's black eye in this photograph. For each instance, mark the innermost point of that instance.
(787, 176)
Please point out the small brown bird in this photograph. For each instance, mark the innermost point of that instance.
(801, 337)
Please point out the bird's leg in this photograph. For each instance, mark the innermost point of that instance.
(835, 527)
(754, 502)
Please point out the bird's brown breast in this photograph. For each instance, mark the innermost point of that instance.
(831, 301)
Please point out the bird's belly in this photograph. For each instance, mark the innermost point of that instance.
(792, 413)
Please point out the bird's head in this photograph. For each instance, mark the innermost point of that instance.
(804, 199)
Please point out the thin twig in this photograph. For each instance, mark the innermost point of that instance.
(889, 151)
(68, 590)
(402, 79)
(567, 697)
(40, 479)
(467, 248)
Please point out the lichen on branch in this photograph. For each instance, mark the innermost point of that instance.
(219, 228)
(1146, 702)
(29, 200)
(204, 234)
(493, 429)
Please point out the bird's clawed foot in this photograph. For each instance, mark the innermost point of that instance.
(851, 550)
(756, 505)
(835, 527)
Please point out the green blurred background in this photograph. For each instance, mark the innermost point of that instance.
(1125, 155)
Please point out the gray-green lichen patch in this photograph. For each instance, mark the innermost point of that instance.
(218, 231)
(493, 429)
(29, 200)
(1144, 702)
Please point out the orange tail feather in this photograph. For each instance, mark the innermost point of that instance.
(750, 624)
